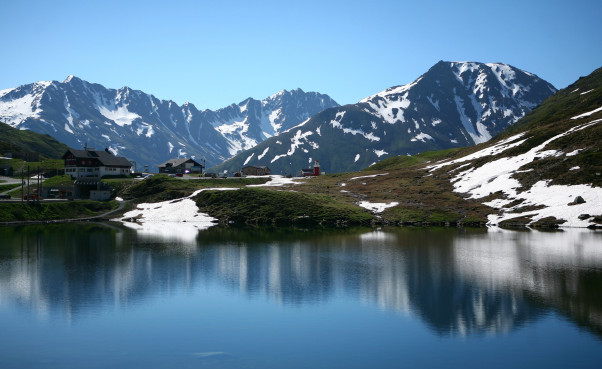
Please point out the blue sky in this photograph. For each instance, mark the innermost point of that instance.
(214, 53)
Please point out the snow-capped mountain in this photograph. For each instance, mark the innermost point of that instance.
(543, 171)
(145, 129)
(454, 104)
(250, 122)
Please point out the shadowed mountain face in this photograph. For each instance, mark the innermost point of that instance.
(454, 104)
(148, 130)
(458, 282)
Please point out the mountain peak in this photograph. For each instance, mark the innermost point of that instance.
(453, 104)
(277, 94)
(70, 78)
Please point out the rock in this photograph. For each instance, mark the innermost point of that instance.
(578, 200)
(583, 216)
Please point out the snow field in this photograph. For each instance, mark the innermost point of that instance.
(497, 176)
(377, 207)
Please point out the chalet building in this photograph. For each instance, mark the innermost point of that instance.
(82, 188)
(252, 170)
(90, 163)
(309, 172)
(181, 165)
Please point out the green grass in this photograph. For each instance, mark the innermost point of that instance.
(64, 180)
(6, 187)
(15, 140)
(162, 187)
(54, 211)
(565, 104)
(44, 165)
(404, 161)
(263, 206)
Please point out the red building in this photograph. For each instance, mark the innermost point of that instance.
(311, 172)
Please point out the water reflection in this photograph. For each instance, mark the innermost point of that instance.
(458, 282)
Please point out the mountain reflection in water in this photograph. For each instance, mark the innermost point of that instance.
(459, 282)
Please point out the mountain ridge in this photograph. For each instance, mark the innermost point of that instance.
(142, 127)
(453, 104)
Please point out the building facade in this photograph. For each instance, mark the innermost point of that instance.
(181, 165)
(90, 163)
(252, 170)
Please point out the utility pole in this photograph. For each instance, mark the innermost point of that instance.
(22, 185)
(28, 184)
(39, 187)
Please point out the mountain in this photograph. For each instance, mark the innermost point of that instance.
(145, 129)
(13, 140)
(250, 122)
(454, 104)
(543, 171)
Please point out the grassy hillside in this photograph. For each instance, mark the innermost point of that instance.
(261, 206)
(582, 96)
(14, 140)
(54, 211)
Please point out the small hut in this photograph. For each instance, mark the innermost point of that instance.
(252, 170)
(309, 172)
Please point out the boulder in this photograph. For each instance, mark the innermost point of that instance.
(578, 200)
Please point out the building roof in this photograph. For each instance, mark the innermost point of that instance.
(178, 162)
(104, 156)
(255, 166)
(87, 181)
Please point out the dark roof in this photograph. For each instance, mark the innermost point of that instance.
(87, 181)
(104, 156)
(177, 162)
(255, 166)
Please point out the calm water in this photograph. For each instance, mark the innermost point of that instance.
(105, 296)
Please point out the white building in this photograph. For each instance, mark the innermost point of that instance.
(95, 164)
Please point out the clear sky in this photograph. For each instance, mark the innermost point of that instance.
(214, 53)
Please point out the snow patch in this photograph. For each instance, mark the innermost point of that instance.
(276, 181)
(370, 176)
(489, 151)
(587, 114)
(422, 137)
(120, 115)
(263, 153)
(248, 159)
(575, 152)
(377, 207)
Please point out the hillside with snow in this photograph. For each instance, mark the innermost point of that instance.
(454, 104)
(147, 130)
(545, 170)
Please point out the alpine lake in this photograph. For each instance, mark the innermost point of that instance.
(106, 295)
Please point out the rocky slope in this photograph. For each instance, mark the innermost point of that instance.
(148, 130)
(454, 104)
(544, 171)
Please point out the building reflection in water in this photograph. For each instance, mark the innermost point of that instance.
(458, 282)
